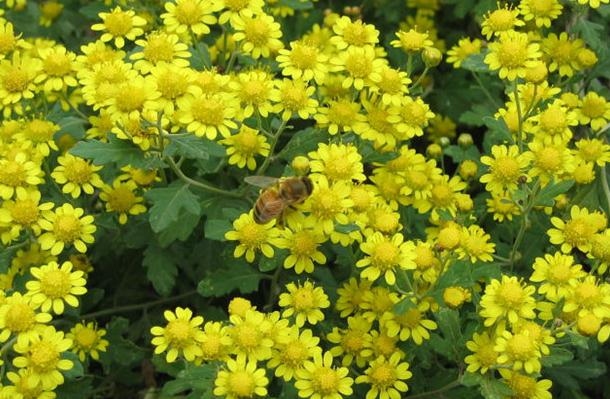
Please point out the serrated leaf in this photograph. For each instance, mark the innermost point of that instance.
(193, 147)
(6, 257)
(449, 324)
(169, 204)
(546, 196)
(161, 269)
(240, 277)
(116, 151)
(192, 378)
(73, 125)
(201, 57)
(180, 230)
(302, 142)
(577, 340)
(557, 356)
(471, 379)
(459, 154)
(404, 305)
(591, 33)
(215, 229)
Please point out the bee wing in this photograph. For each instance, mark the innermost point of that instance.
(261, 181)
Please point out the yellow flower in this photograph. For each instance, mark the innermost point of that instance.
(518, 351)
(253, 237)
(550, 161)
(329, 202)
(353, 33)
(18, 317)
(294, 97)
(507, 299)
(54, 285)
(499, 21)
(390, 84)
(134, 98)
(25, 384)
(593, 150)
(24, 212)
(359, 63)
(462, 50)
(411, 324)
(589, 295)
(241, 379)
(235, 8)
(291, 354)
(303, 60)
(258, 34)
(58, 68)
(594, 110)
(244, 146)
(122, 199)
(542, 12)
(512, 54)
(42, 355)
(49, 11)
(254, 90)
(87, 339)
(337, 162)
(483, 355)
(250, 335)
(181, 336)
(502, 207)
(119, 25)
(386, 377)
(340, 115)
(526, 387)
(557, 274)
(561, 53)
(18, 78)
(216, 344)
(76, 174)
(303, 239)
(411, 117)
(351, 296)
(320, 380)
(190, 15)
(66, 226)
(354, 343)
(160, 48)
(411, 41)
(554, 122)
(578, 231)
(455, 296)
(506, 167)
(304, 302)
(37, 134)
(207, 115)
(386, 255)
(18, 171)
(475, 245)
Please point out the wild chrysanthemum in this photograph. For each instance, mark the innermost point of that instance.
(554, 122)
(258, 34)
(499, 21)
(329, 202)
(294, 97)
(30, 256)
(181, 336)
(303, 61)
(87, 340)
(236, 8)
(475, 245)
(216, 342)
(377, 302)
(38, 134)
(601, 250)
(134, 98)
(290, 356)
(512, 53)
(557, 273)
(172, 83)
(190, 16)
(525, 386)
(253, 237)
(254, 90)
(244, 146)
(542, 12)
(376, 126)
(353, 33)
(592, 150)
(303, 239)
(18, 78)
(594, 110)
(385, 256)
(506, 166)
(589, 295)
(351, 296)
(578, 231)
(241, 379)
(483, 355)
(101, 83)
(121, 198)
(50, 10)
(24, 384)
(337, 162)
(340, 115)
(66, 226)
(518, 351)
(76, 174)
(53, 285)
(411, 324)
(358, 63)
(455, 296)
(390, 85)
(502, 207)
(507, 299)
(249, 335)
(58, 68)
(157, 48)
(207, 115)
(411, 41)
(411, 117)
(42, 355)
(354, 342)
(444, 195)
(386, 376)
(550, 161)
(19, 318)
(462, 50)
(9, 41)
(427, 262)
(97, 52)
(18, 171)
(119, 25)
(560, 53)
(23, 212)
(305, 302)
(318, 379)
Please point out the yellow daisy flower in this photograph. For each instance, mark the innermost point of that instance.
(87, 340)
(65, 226)
(253, 237)
(305, 302)
(119, 25)
(54, 285)
(512, 53)
(181, 336)
(121, 198)
(76, 174)
(320, 380)
(241, 379)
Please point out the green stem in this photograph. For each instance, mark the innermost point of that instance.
(420, 78)
(405, 275)
(485, 91)
(524, 222)
(137, 306)
(195, 183)
(273, 287)
(274, 140)
(519, 117)
(75, 109)
(435, 393)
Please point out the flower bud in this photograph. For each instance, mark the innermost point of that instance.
(431, 56)
(468, 169)
(434, 151)
(300, 165)
(465, 140)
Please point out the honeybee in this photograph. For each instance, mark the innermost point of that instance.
(278, 195)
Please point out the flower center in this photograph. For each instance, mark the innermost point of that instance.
(57, 64)
(86, 338)
(383, 376)
(55, 284)
(118, 23)
(25, 212)
(15, 80)
(521, 346)
(506, 169)
(303, 299)
(325, 381)
(511, 294)
(304, 244)
(178, 332)
(121, 199)
(67, 228)
(512, 54)
(257, 31)
(159, 49)
(44, 357)
(303, 56)
(208, 111)
(385, 255)
(20, 317)
(549, 159)
(242, 384)
(79, 171)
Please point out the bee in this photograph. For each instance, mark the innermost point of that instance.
(278, 195)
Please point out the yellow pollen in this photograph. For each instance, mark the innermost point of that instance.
(242, 384)
(12, 174)
(257, 31)
(303, 56)
(43, 356)
(78, 171)
(522, 386)
(178, 332)
(501, 20)
(208, 111)
(513, 53)
(247, 142)
(118, 23)
(55, 284)
(247, 336)
(358, 66)
(236, 5)
(541, 7)
(576, 232)
(353, 341)
(304, 244)
(172, 85)
(562, 53)
(424, 257)
(385, 255)
(385, 345)
(511, 294)
(587, 294)
(506, 169)
(86, 338)
(211, 347)
(410, 318)
(341, 113)
(550, 159)
(559, 273)
(252, 235)
(328, 205)
(15, 80)
(121, 198)
(159, 49)
(303, 299)
(338, 168)
(40, 131)
(294, 354)
(383, 376)
(187, 13)
(20, 317)
(67, 227)
(416, 179)
(131, 98)
(7, 42)
(325, 381)
(553, 120)
(414, 114)
(593, 107)
(442, 195)
(355, 34)
(487, 355)
(521, 346)
(25, 212)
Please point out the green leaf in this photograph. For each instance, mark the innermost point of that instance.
(201, 57)
(471, 379)
(440, 345)
(73, 125)
(346, 228)
(578, 340)
(546, 196)
(116, 151)
(404, 305)
(92, 10)
(449, 324)
(193, 147)
(237, 276)
(459, 154)
(161, 269)
(557, 356)
(6, 257)
(592, 34)
(121, 350)
(269, 264)
(75, 389)
(179, 230)
(77, 370)
(302, 142)
(494, 389)
(568, 374)
(198, 378)
(215, 229)
(476, 63)
(169, 203)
